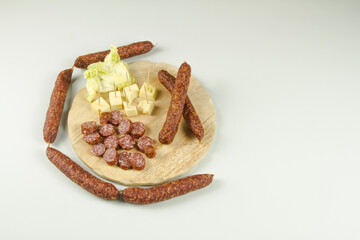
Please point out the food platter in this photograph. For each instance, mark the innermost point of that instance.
(171, 160)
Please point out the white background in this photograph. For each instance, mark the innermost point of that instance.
(284, 78)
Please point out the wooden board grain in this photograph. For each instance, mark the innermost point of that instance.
(171, 160)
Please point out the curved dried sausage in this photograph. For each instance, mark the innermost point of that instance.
(191, 117)
(56, 105)
(127, 51)
(166, 191)
(178, 96)
(81, 177)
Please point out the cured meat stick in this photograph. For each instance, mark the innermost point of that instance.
(166, 191)
(189, 113)
(178, 96)
(56, 105)
(81, 177)
(127, 51)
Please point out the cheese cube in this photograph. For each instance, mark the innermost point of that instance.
(131, 92)
(130, 110)
(151, 92)
(147, 107)
(115, 100)
(100, 105)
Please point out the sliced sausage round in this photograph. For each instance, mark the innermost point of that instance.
(107, 130)
(98, 149)
(110, 156)
(92, 138)
(150, 151)
(124, 160)
(88, 127)
(124, 126)
(137, 129)
(143, 142)
(115, 117)
(111, 141)
(104, 117)
(127, 142)
(137, 161)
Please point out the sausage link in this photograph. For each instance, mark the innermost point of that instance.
(81, 177)
(56, 105)
(127, 51)
(189, 113)
(178, 96)
(166, 191)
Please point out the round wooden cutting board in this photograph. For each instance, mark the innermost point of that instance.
(171, 160)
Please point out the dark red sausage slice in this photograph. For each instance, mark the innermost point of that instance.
(88, 127)
(137, 161)
(111, 142)
(115, 117)
(124, 126)
(143, 142)
(124, 160)
(110, 156)
(92, 138)
(150, 151)
(137, 129)
(98, 149)
(104, 117)
(106, 130)
(127, 142)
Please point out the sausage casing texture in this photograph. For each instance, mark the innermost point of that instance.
(83, 178)
(166, 191)
(56, 105)
(178, 96)
(127, 51)
(189, 113)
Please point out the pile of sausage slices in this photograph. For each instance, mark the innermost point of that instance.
(105, 142)
(180, 105)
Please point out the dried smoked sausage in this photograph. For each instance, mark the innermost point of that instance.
(178, 96)
(127, 51)
(98, 149)
(92, 138)
(124, 160)
(56, 105)
(111, 141)
(143, 142)
(106, 129)
(189, 113)
(110, 156)
(137, 161)
(115, 117)
(124, 126)
(81, 177)
(166, 191)
(127, 142)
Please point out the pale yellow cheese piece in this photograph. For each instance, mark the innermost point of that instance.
(100, 105)
(131, 92)
(130, 110)
(151, 92)
(115, 100)
(147, 107)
